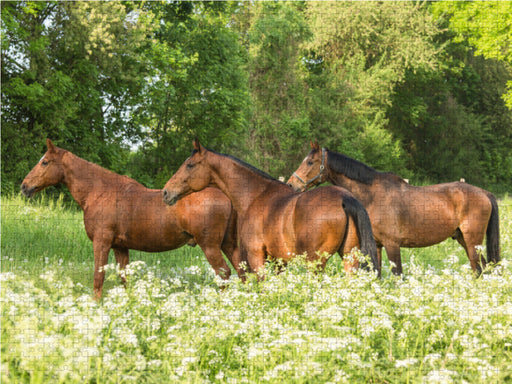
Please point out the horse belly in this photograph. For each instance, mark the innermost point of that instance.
(428, 225)
(150, 228)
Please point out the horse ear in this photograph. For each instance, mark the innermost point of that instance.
(51, 147)
(315, 146)
(197, 145)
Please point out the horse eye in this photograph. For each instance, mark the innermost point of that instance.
(310, 163)
(44, 163)
(190, 165)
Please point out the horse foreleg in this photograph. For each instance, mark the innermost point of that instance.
(393, 251)
(101, 250)
(122, 258)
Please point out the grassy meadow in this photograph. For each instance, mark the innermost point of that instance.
(176, 322)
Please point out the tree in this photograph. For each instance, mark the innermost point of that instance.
(196, 87)
(70, 72)
(273, 34)
(487, 26)
(360, 53)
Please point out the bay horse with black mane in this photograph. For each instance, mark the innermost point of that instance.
(121, 214)
(274, 221)
(403, 215)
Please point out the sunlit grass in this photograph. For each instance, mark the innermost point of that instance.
(175, 323)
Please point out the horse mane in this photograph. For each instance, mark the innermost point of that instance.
(356, 170)
(246, 165)
(351, 168)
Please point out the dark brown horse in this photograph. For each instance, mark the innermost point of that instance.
(406, 216)
(275, 221)
(121, 214)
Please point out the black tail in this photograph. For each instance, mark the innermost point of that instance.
(493, 233)
(355, 209)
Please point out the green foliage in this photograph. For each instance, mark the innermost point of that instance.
(197, 87)
(410, 87)
(487, 26)
(69, 72)
(280, 122)
(453, 122)
(358, 62)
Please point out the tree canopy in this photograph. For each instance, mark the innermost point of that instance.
(419, 89)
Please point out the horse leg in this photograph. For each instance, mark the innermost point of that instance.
(237, 259)
(379, 256)
(232, 252)
(350, 264)
(256, 260)
(101, 250)
(216, 260)
(393, 251)
(122, 258)
(469, 240)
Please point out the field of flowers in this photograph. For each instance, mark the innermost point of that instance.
(175, 322)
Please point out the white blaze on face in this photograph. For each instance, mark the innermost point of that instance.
(41, 159)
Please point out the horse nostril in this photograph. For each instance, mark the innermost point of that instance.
(165, 193)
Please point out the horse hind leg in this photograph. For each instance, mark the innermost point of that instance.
(469, 241)
(351, 241)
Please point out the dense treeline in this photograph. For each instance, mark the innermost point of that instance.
(419, 89)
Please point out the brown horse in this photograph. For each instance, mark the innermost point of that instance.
(406, 216)
(275, 221)
(121, 214)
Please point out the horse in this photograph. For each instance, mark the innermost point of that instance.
(274, 222)
(403, 215)
(122, 214)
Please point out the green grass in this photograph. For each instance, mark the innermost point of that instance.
(175, 323)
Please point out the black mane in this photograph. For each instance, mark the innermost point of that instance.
(246, 165)
(351, 168)
(358, 171)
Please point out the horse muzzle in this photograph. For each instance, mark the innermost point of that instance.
(28, 191)
(170, 198)
(296, 189)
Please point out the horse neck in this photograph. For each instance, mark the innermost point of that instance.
(363, 192)
(240, 184)
(85, 179)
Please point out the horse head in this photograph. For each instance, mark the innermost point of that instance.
(311, 171)
(193, 176)
(47, 172)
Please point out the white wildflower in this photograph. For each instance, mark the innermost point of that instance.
(405, 363)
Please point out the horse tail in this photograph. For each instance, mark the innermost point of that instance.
(230, 240)
(356, 210)
(493, 232)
